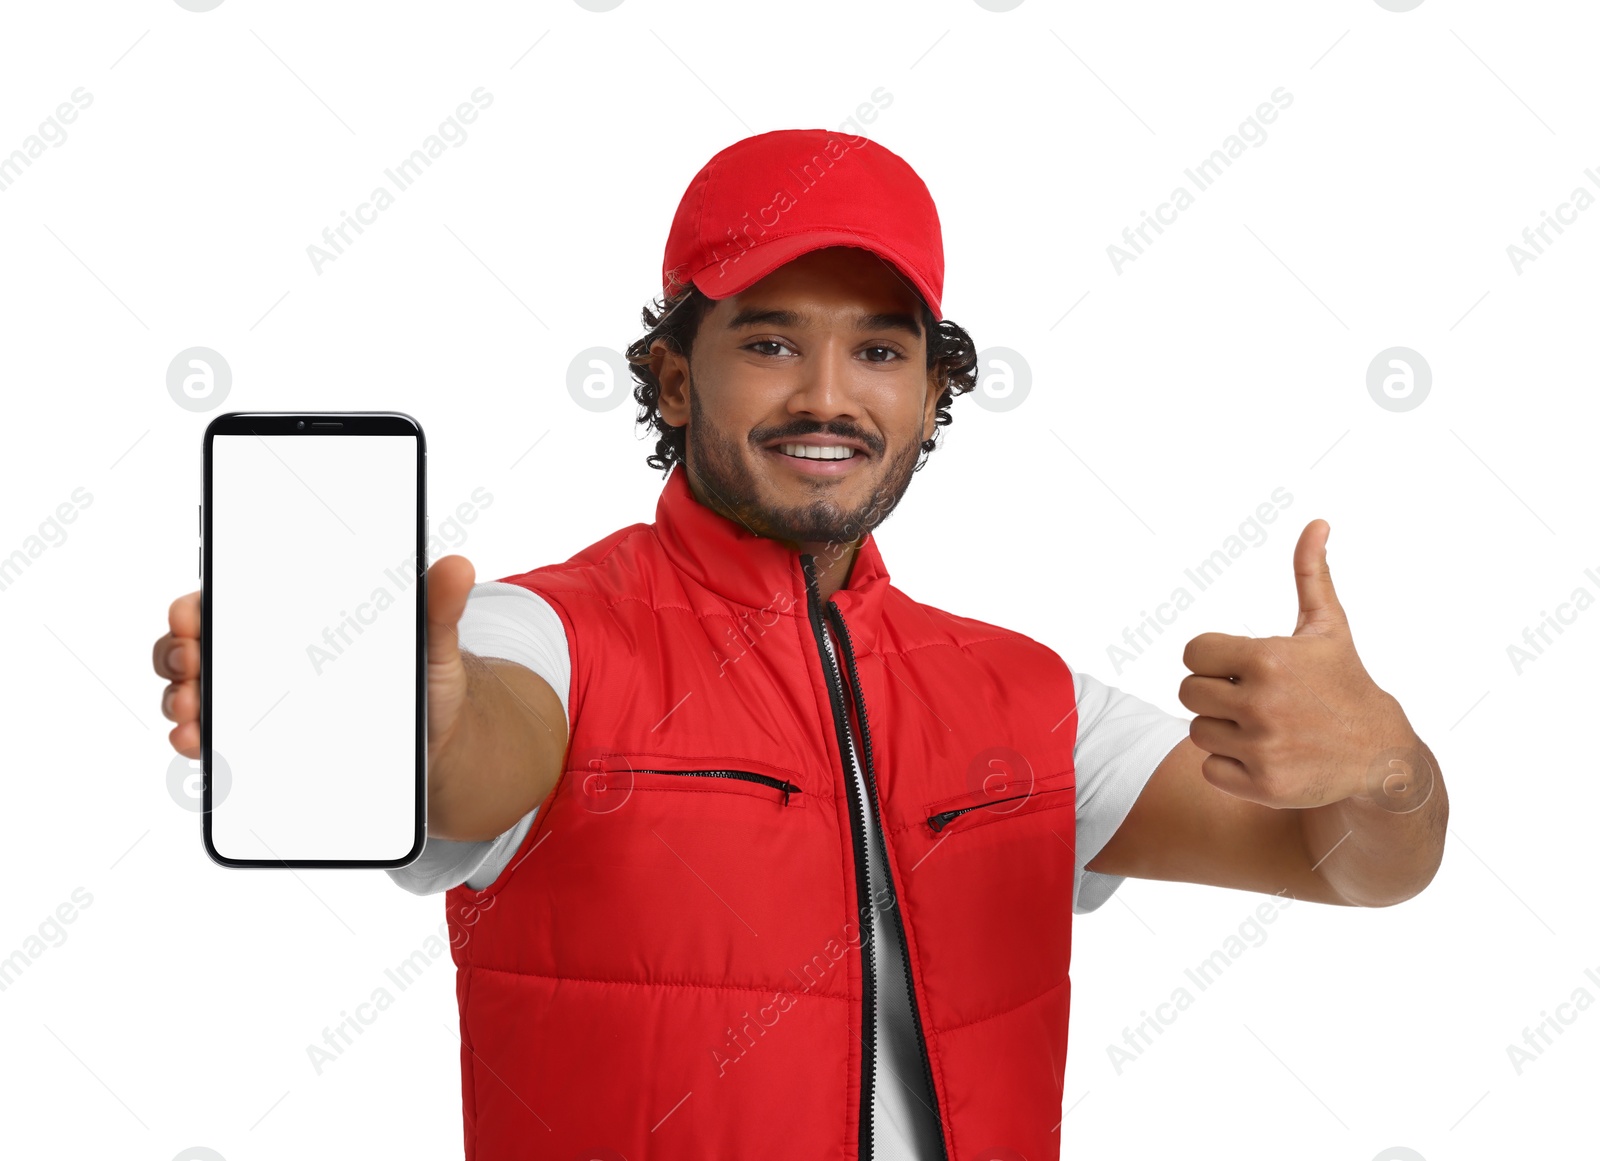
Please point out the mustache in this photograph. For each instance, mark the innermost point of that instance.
(761, 437)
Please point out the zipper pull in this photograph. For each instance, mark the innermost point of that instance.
(939, 821)
(788, 789)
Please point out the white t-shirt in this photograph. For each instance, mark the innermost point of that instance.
(1121, 740)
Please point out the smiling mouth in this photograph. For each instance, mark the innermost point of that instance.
(811, 452)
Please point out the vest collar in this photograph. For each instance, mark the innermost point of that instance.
(724, 556)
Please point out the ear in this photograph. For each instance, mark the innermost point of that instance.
(671, 370)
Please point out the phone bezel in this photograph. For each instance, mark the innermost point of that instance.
(354, 423)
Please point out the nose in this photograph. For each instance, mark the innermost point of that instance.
(825, 392)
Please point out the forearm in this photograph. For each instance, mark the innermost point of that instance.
(503, 755)
(1383, 847)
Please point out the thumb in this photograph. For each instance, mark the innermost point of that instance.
(1319, 605)
(450, 580)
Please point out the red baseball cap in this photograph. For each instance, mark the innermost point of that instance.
(767, 199)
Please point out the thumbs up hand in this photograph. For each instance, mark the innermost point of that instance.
(1296, 721)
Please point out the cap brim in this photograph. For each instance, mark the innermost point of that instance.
(750, 266)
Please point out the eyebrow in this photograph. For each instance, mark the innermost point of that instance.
(752, 316)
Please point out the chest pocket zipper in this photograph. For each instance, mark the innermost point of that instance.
(943, 819)
(938, 821)
(788, 788)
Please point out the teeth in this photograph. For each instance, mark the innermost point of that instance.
(806, 451)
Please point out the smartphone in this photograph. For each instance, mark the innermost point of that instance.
(313, 563)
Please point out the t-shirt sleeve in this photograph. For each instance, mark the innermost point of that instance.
(516, 624)
(1121, 740)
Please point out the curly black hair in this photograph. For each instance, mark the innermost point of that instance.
(675, 317)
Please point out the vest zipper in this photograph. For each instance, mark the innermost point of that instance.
(941, 820)
(788, 788)
(877, 822)
(869, 1016)
(868, 948)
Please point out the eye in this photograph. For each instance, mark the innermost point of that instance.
(768, 343)
(889, 351)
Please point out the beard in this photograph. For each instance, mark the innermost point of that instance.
(716, 461)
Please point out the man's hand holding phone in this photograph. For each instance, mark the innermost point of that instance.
(496, 730)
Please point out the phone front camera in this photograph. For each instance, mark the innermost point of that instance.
(301, 425)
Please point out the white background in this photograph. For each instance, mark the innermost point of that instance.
(1168, 401)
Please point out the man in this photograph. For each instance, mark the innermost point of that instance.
(746, 853)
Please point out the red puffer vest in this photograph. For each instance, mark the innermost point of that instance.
(677, 963)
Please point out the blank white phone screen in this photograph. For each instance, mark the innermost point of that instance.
(314, 646)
